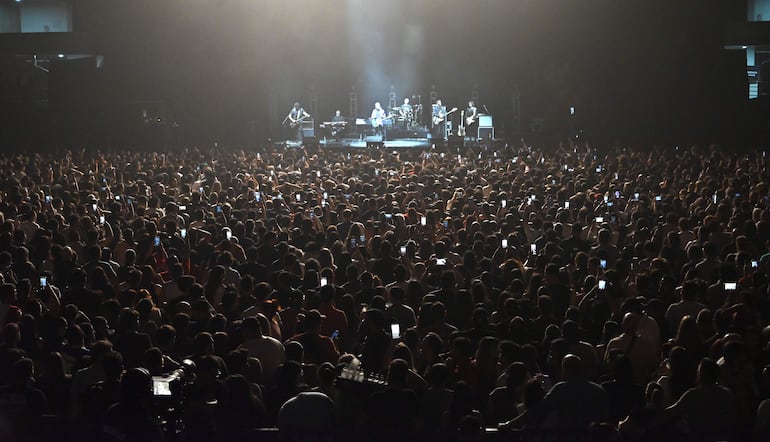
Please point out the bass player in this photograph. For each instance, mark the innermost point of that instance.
(471, 115)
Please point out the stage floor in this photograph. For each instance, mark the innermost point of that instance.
(401, 143)
(356, 143)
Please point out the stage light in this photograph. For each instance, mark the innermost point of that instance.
(61, 55)
(744, 47)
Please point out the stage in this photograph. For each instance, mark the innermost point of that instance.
(362, 137)
(393, 139)
(388, 132)
(399, 144)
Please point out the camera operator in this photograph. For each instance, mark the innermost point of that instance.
(131, 418)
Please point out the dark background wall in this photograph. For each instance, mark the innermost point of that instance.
(636, 70)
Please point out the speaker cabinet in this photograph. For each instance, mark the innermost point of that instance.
(486, 133)
(308, 128)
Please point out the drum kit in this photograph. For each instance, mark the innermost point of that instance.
(407, 117)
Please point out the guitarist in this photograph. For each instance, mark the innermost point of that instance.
(295, 118)
(438, 120)
(439, 116)
(378, 120)
(471, 118)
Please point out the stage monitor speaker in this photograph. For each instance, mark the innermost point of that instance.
(438, 145)
(485, 121)
(374, 142)
(486, 133)
(308, 128)
(455, 142)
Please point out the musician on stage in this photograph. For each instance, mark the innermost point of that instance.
(406, 114)
(338, 118)
(296, 115)
(336, 129)
(378, 120)
(405, 111)
(438, 120)
(471, 119)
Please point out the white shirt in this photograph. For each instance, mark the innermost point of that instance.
(270, 352)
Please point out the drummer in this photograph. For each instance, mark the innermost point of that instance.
(405, 112)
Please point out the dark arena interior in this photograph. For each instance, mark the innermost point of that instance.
(405, 220)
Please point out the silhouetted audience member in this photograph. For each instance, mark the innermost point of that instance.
(131, 418)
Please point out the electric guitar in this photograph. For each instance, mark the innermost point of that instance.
(378, 121)
(461, 129)
(438, 118)
(470, 120)
(297, 122)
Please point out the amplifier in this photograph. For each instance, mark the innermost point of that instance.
(486, 133)
(308, 128)
(485, 121)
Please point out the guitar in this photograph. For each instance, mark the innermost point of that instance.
(461, 129)
(439, 117)
(297, 122)
(470, 120)
(381, 119)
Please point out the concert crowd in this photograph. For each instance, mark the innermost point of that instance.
(510, 292)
